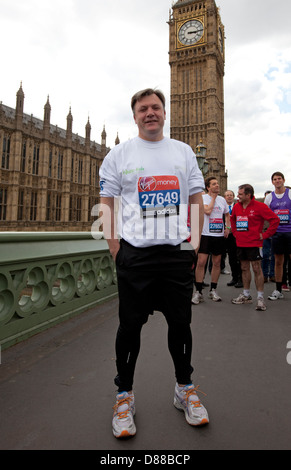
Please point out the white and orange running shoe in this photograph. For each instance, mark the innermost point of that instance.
(186, 400)
(124, 410)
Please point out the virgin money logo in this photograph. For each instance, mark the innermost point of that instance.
(148, 183)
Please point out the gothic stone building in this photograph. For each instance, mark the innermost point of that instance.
(49, 177)
(197, 61)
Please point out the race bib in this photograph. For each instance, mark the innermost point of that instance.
(242, 223)
(284, 216)
(215, 225)
(159, 196)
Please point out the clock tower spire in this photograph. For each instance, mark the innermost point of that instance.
(197, 80)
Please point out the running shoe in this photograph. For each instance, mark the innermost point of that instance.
(186, 400)
(285, 288)
(214, 296)
(261, 306)
(242, 299)
(276, 295)
(124, 411)
(197, 298)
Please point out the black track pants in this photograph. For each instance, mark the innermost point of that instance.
(156, 278)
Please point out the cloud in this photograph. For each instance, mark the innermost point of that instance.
(257, 87)
(248, 21)
(89, 55)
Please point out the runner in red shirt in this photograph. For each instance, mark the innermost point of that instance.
(247, 221)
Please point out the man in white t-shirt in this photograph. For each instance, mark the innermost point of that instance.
(156, 178)
(215, 229)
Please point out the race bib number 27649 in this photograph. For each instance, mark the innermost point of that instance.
(159, 195)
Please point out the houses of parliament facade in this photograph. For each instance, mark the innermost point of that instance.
(49, 177)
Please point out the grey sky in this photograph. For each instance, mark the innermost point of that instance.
(93, 55)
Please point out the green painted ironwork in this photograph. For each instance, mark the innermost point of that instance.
(46, 278)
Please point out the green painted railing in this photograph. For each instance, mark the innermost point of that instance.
(46, 278)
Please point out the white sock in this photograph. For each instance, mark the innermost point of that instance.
(261, 295)
(181, 388)
(247, 293)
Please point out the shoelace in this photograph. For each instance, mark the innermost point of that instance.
(193, 391)
(122, 414)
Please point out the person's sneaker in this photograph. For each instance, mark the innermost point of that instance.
(214, 296)
(261, 306)
(242, 299)
(124, 411)
(197, 298)
(276, 295)
(285, 288)
(239, 285)
(224, 271)
(186, 400)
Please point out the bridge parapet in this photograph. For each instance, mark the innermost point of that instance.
(46, 278)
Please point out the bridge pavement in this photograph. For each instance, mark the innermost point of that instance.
(56, 389)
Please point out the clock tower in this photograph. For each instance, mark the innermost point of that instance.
(197, 74)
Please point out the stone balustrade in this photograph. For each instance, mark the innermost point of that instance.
(46, 278)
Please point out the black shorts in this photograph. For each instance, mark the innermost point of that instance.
(212, 245)
(249, 254)
(155, 278)
(281, 243)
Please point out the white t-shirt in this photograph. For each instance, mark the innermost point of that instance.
(153, 181)
(214, 223)
(269, 197)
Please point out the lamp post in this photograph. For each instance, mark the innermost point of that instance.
(201, 158)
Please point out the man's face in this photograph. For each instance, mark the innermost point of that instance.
(214, 186)
(278, 182)
(242, 197)
(149, 115)
(229, 197)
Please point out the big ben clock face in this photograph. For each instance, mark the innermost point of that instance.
(191, 32)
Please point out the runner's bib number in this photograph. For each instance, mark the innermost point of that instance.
(242, 224)
(215, 225)
(159, 195)
(284, 216)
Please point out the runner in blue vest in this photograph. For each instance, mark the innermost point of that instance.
(279, 202)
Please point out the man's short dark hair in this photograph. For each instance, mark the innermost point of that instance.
(147, 92)
(248, 189)
(278, 173)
